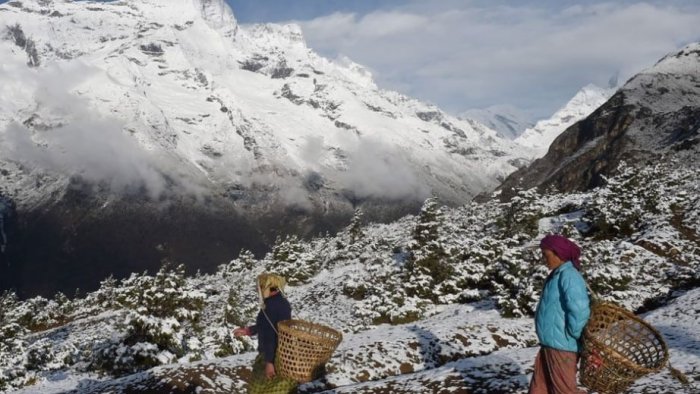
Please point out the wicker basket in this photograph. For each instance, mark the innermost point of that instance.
(304, 348)
(619, 348)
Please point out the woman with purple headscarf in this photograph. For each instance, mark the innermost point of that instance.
(561, 315)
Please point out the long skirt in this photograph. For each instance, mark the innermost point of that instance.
(555, 372)
(260, 384)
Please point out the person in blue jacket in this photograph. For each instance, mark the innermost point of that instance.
(561, 315)
(274, 308)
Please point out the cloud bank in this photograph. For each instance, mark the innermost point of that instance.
(57, 131)
(370, 169)
(463, 55)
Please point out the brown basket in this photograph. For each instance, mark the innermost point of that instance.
(304, 348)
(619, 348)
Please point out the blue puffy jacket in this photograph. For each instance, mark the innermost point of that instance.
(563, 310)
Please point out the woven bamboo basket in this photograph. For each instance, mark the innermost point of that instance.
(304, 348)
(619, 348)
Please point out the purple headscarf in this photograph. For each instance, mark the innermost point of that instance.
(562, 247)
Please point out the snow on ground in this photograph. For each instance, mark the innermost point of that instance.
(509, 371)
(467, 328)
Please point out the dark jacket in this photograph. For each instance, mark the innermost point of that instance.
(277, 309)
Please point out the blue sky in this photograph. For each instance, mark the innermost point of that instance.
(465, 54)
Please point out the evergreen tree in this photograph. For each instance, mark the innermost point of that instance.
(428, 264)
(355, 230)
(107, 294)
(521, 214)
(290, 260)
(232, 310)
(245, 261)
(426, 232)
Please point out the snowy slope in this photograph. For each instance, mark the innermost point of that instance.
(509, 121)
(176, 95)
(584, 102)
(407, 327)
(509, 371)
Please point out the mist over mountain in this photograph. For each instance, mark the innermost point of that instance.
(509, 121)
(133, 131)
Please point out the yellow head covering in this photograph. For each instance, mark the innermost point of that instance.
(267, 281)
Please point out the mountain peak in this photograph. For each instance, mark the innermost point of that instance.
(585, 101)
(216, 12)
(684, 61)
(168, 107)
(276, 35)
(508, 120)
(652, 117)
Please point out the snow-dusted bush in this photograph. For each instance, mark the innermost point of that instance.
(163, 310)
(166, 294)
(41, 356)
(382, 273)
(13, 372)
(633, 195)
(290, 260)
(516, 280)
(106, 296)
(117, 358)
(39, 313)
(521, 214)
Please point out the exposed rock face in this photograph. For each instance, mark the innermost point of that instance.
(587, 100)
(656, 113)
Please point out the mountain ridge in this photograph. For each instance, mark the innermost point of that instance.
(655, 113)
(582, 104)
(172, 118)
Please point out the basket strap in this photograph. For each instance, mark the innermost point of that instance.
(270, 321)
(595, 296)
(680, 376)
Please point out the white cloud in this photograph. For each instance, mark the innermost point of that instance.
(63, 134)
(377, 170)
(461, 55)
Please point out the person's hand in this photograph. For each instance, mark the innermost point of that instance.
(270, 370)
(241, 331)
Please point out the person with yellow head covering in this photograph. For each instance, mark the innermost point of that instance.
(274, 308)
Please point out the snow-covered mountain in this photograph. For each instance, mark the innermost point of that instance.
(584, 102)
(654, 114)
(169, 117)
(509, 121)
(201, 103)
